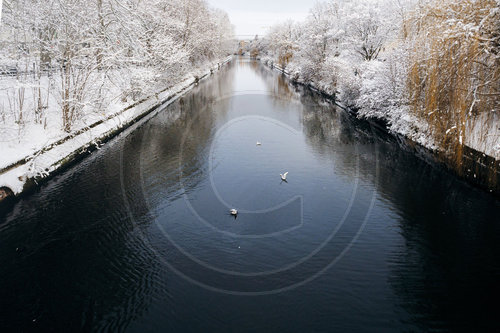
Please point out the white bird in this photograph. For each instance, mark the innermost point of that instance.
(283, 176)
(233, 212)
(258, 143)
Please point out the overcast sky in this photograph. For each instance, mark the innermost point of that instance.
(251, 17)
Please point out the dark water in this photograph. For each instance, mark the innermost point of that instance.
(364, 236)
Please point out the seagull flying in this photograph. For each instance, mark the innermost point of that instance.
(283, 176)
(233, 212)
(258, 143)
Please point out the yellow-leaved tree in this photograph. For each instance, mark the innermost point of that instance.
(454, 77)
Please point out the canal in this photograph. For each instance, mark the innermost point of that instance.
(363, 236)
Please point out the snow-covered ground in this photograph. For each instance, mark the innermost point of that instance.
(38, 149)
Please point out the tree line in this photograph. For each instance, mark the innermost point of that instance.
(429, 68)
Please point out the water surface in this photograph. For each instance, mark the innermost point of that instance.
(365, 236)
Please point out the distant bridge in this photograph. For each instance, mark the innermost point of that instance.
(247, 36)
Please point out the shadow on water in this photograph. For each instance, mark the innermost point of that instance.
(87, 251)
(445, 273)
(70, 258)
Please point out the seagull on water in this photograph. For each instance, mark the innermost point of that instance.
(258, 143)
(233, 212)
(283, 176)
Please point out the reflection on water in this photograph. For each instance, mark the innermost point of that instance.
(364, 236)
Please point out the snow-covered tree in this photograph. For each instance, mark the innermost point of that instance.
(283, 41)
(431, 69)
(321, 37)
(455, 70)
(88, 47)
(367, 28)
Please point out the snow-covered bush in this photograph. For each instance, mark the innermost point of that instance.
(346, 77)
(384, 95)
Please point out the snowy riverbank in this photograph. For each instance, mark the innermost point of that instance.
(26, 159)
(372, 103)
(479, 163)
